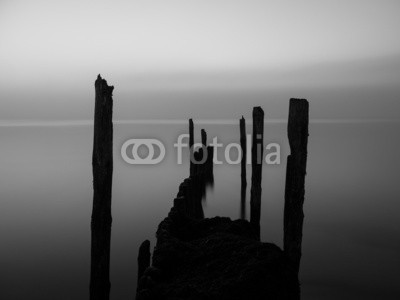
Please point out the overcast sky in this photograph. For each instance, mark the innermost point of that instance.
(51, 51)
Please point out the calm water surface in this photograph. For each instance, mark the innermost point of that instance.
(351, 240)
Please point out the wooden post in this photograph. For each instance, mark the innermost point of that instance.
(102, 163)
(295, 179)
(204, 138)
(243, 202)
(191, 146)
(243, 146)
(256, 162)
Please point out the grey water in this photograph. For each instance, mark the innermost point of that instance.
(351, 240)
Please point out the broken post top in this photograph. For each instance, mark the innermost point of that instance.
(242, 124)
(258, 121)
(258, 124)
(298, 124)
(257, 112)
(102, 86)
(103, 127)
(191, 133)
(242, 121)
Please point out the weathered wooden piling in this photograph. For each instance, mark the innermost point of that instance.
(191, 146)
(102, 164)
(243, 187)
(295, 179)
(256, 162)
(243, 202)
(243, 146)
(201, 163)
(204, 138)
(143, 258)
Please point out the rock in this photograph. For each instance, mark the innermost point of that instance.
(217, 259)
(143, 258)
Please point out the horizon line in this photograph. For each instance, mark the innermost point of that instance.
(68, 123)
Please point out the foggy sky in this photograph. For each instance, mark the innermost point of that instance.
(160, 51)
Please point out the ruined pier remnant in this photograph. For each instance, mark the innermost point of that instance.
(209, 168)
(204, 138)
(201, 160)
(217, 258)
(243, 187)
(243, 146)
(256, 163)
(243, 202)
(295, 179)
(191, 145)
(102, 163)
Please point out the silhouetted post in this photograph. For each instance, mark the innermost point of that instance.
(257, 151)
(102, 163)
(243, 202)
(191, 145)
(295, 178)
(243, 145)
(204, 138)
(210, 164)
(143, 258)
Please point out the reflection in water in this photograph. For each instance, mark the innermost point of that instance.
(192, 191)
(208, 183)
(201, 163)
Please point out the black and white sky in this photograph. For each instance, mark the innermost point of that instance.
(163, 50)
